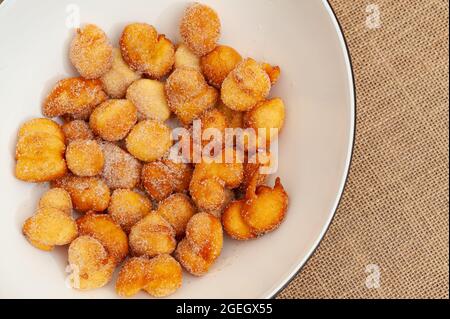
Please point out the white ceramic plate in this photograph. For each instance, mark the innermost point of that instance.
(303, 37)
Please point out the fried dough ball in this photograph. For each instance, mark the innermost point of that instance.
(74, 96)
(264, 208)
(87, 193)
(204, 233)
(160, 276)
(146, 52)
(245, 86)
(202, 244)
(50, 227)
(133, 276)
(57, 198)
(165, 276)
(77, 130)
(273, 72)
(189, 95)
(200, 28)
(268, 115)
(208, 194)
(163, 58)
(233, 224)
(234, 118)
(191, 260)
(117, 80)
(157, 180)
(149, 140)
(90, 263)
(85, 158)
(185, 58)
(152, 236)
(121, 170)
(177, 210)
(128, 207)
(90, 52)
(217, 64)
(150, 99)
(113, 119)
(162, 178)
(40, 151)
(107, 232)
(181, 175)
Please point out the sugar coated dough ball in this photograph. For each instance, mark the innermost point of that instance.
(150, 99)
(90, 52)
(113, 119)
(200, 28)
(149, 140)
(85, 158)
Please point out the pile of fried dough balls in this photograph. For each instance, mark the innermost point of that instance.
(109, 161)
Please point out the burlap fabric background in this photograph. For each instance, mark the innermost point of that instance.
(395, 211)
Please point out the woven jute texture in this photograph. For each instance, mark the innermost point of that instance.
(395, 211)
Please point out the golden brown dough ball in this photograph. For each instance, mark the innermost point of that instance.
(117, 80)
(57, 198)
(162, 178)
(77, 130)
(87, 193)
(85, 158)
(204, 233)
(150, 99)
(149, 140)
(74, 96)
(157, 180)
(90, 52)
(200, 28)
(208, 194)
(90, 264)
(217, 64)
(128, 207)
(177, 210)
(189, 95)
(145, 51)
(166, 276)
(133, 276)
(268, 115)
(265, 207)
(113, 119)
(181, 175)
(159, 276)
(202, 245)
(233, 223)
(245, 86)
(152, 236)
(121, 170)
(185, 58)
(50, 227)
(107, 232)
(191, 260)
(40, 151)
